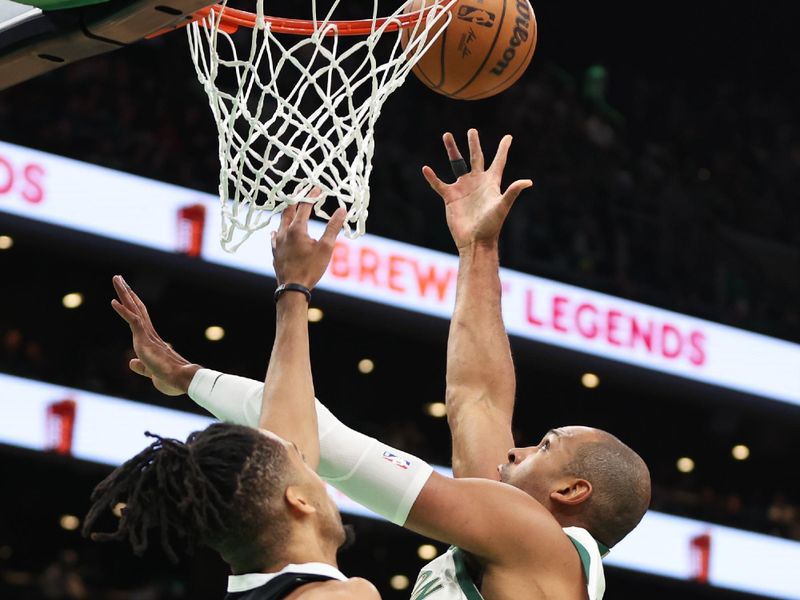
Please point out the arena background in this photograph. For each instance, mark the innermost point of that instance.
(664, 144)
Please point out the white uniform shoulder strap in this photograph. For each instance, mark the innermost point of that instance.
(249, 581)
(591, 560)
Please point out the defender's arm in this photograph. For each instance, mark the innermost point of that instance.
(288, 402)
(496, 522)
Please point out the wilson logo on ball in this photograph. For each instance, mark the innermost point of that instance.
(519, 35)
(475, 15)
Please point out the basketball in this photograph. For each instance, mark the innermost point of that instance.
(486, 48)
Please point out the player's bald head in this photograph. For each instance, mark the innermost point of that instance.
(620, 483)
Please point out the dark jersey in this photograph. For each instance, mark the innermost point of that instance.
(278, 587)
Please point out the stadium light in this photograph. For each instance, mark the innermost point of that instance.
(436, 409)
(69, 522)
(740, 452)
(590, 380)
(215, 333)
(427, 551)
(399, 582)
(72, 300)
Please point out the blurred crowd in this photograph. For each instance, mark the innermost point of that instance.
(774, 515)
(72, 577)
(687, 199)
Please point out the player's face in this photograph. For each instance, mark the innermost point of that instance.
(539, 470)
(329, 517)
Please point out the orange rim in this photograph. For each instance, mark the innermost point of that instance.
(231, 19)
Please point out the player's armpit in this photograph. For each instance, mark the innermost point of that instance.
(481, 433)
(494, 521)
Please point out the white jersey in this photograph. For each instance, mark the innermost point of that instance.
(446, 577)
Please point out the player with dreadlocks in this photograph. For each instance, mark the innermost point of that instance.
(204, 491)
(251, 495)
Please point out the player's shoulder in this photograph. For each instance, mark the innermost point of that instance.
(354, 588)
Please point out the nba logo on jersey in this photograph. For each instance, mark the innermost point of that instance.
(396, 460)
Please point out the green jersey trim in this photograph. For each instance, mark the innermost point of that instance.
(584, 554)
(462, 576)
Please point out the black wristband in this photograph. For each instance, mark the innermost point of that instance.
(292, 287)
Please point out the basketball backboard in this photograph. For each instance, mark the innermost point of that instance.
(41, 35)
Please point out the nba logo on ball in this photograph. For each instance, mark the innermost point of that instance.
(478, 16)
(396, 460)
(486, 47)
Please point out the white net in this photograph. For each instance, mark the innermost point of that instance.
(295, 113)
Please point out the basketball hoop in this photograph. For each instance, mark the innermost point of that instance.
(296, 114)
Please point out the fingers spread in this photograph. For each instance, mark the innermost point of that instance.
(453, 152)
(475, 151)
(515, 189)
(499, 162)
(437, 184)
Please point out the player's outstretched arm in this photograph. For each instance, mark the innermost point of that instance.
(480, 371)
(230, 398)
(288, 400)
(170, 373)
(235, 399)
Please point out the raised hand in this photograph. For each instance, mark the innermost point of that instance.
(476, 208)
(168, 370)
(297, 257)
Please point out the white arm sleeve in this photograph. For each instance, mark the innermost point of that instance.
(230, 398)
(385, 480)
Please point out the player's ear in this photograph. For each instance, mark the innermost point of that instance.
(572, 492)
(298, 502)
